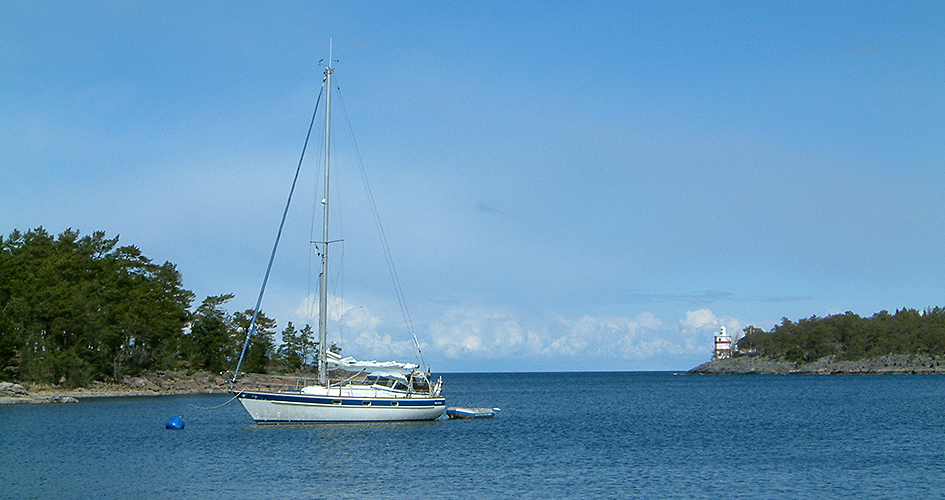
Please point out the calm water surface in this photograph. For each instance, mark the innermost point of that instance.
(574, 435)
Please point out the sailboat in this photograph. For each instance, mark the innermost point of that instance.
(346, 390)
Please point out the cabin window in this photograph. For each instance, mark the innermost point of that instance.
(366, 403)
(395, 403)
(336, 401)
(400, 386)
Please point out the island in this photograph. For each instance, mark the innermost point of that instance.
(890, 364)
(905, 342)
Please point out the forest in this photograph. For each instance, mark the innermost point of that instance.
(850, 337)
(74, 309)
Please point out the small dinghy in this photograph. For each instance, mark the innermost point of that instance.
(460, 412)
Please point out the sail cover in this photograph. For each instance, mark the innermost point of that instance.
(380, 368)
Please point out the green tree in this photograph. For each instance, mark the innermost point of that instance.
(212, 341)
(308, 345)
(297, 349)
(261, 345)
(290, 351)
(76, 308)
(851, 337)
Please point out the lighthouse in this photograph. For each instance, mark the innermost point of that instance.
(723, 345)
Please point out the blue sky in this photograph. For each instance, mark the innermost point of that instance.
(564, 186)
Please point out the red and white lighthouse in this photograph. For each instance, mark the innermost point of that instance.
(723, 345)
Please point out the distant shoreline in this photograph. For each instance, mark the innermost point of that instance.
(157, 384)
(177, 383)
(890, 364)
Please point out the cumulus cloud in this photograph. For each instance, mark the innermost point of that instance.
(696, 320)
(479, 332)
(703, 320)
(359, 332)
(502, 333)
(338, 308)
(498, 333)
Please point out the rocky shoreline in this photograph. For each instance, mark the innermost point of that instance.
(157, 384)
(890, 364)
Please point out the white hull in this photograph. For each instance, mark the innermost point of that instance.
(460, 412)
(296, 407)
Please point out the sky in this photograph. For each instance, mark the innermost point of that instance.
(563, 185)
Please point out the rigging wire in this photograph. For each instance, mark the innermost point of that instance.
(340, 294)
(337, 289)
(380, 231)
(275, 246)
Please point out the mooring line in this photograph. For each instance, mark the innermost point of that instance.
(191, 405)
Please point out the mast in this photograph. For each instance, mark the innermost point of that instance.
(323, 277)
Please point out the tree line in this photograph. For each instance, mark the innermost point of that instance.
(849, 336)
(74, 309)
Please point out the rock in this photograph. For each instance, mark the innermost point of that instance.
(11, 389)
(746, 365)
(141, 384)
(63, 399)
(881, 365)
(28, 399)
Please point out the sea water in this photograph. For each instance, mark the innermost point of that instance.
(558, 435)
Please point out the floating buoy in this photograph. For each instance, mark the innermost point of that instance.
(175, 423)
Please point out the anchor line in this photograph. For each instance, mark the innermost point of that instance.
(191, 405)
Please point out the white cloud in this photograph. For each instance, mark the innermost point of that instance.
(703, 321)
(499, 333)
(338, 308)
(480, 332)
(358, 331)
(696, 320)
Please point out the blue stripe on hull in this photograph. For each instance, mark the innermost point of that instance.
(339, 421)
(321, 400)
